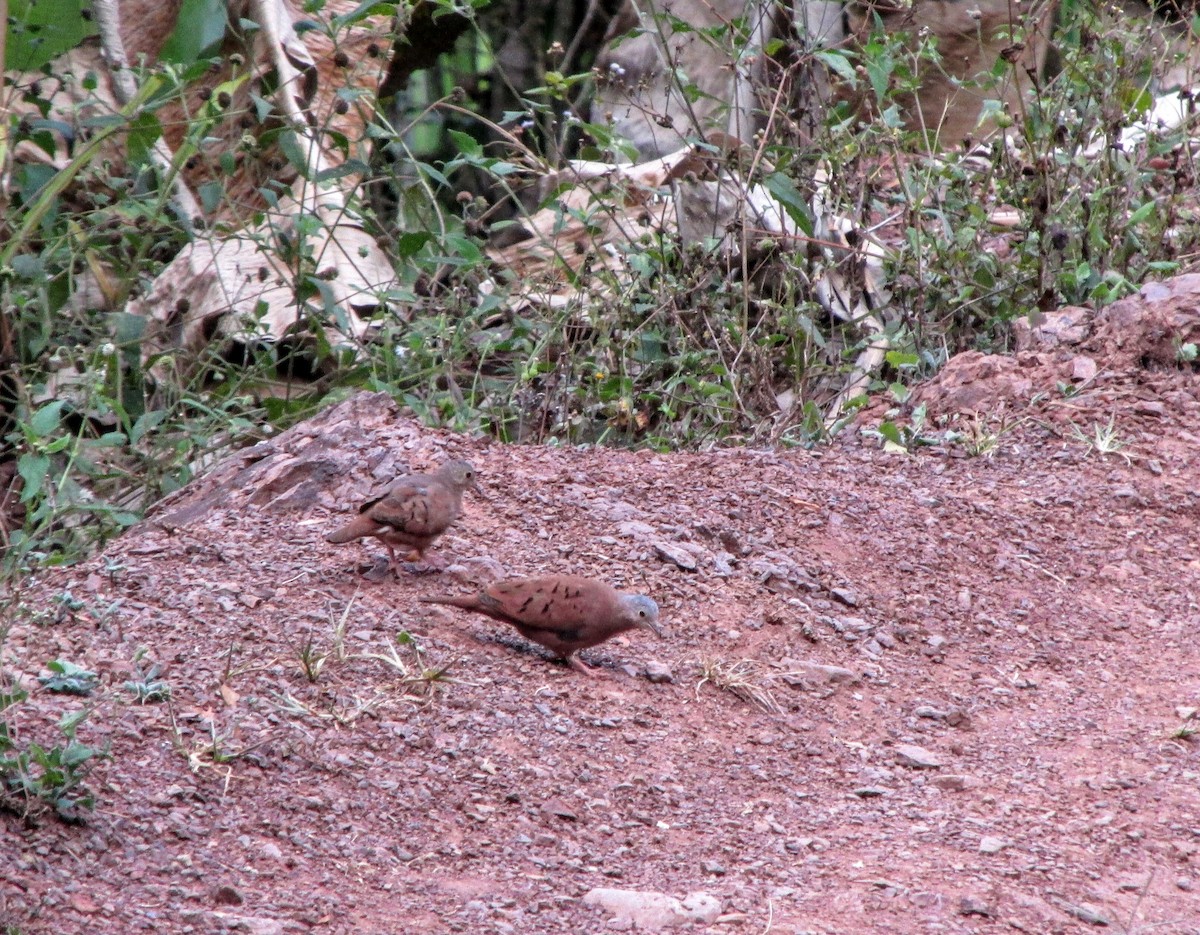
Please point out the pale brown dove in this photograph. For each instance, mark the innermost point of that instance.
(565, 613)
(414, 511)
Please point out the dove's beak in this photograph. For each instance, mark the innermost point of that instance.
(651, 625)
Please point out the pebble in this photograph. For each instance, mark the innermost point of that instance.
(989, 844)
(974, 906)
(659, 672)
(846, 596)
(227, 896)
(271, 851)
(1083, 369)
(635, 529)
(914, 757)
(650, 910)
(1086, 912)
(951, 782)
(677, 556)
(808, 674)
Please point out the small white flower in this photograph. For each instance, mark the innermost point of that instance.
(616, 70)
(108, 349)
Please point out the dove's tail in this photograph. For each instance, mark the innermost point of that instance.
(355, 529)
(467, 601)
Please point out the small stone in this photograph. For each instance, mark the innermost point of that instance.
(271, 851)
(635, 529)
(914, 757)
(811, 674)
(1150, 407)
(1185, 884)
(559, 810)
(1086, 912)
(1083, 369)
(1186, 712)
(649, 910)
(478, 572)
(256, 925)
(990, 844)
(677, 556)
(974, 906)
(845, 596)
(83, 903)
(871, 792)
(951, 782)
(659, 672)
(1130, 495)
(711, 866)
(227, 896)
(1135, 884)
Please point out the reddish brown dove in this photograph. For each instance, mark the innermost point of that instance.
(565, 613)
(413, 512)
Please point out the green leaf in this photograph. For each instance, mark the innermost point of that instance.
(71, 720)
(891, 432)
(349, 167)
(295, 151)
(68, 678)
(410, 244)
(41, 30)
(362, 11)
(794, 203)
(12, 697)
(33, 468)
(467, 145)
(45, 420)
(144, 132)
(146, 421)
(839, 63)
(900, 359)
(1143, 212)
(199, 26)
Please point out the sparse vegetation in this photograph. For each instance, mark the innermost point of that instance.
(68, 678)
(33, 775)
(1102, 439)
(145, 685)
(685, 345)
(743, 679)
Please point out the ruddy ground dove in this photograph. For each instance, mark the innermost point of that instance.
(564, 613)
(414, 511)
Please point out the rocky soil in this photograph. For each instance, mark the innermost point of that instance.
(943, 689)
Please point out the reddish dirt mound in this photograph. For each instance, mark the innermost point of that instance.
(910, 693)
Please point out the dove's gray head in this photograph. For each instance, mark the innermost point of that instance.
(458, 474)
(641, 611)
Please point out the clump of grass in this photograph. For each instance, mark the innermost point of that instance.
(145, 684)
(312, 659)
(743, 679)
(1103, 439)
